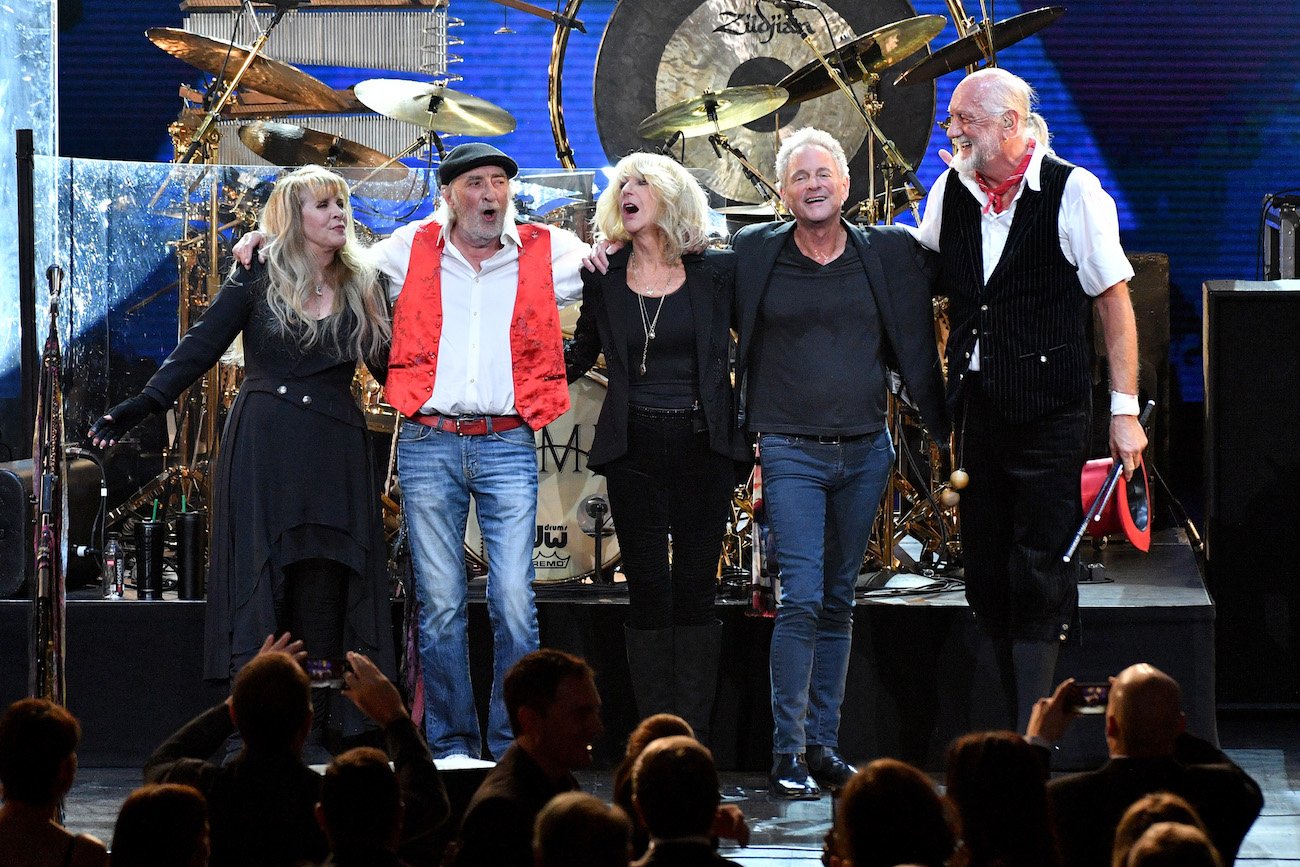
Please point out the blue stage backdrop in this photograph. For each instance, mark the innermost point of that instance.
(1186, 110)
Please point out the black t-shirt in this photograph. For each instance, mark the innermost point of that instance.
(816, 368)
(670, 378)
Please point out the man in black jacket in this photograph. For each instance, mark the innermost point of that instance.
(554, 709)
(675, 791)
(822, 309)
(1150, 751)
(261, 805)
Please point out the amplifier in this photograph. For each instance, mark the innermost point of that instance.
(17, 523)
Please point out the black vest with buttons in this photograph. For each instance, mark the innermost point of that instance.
(1032, 319)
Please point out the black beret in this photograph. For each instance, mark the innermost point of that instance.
(463, 158)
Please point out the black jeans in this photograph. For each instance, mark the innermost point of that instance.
(669, 483)
(1018, 515)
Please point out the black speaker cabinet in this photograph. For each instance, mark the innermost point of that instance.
(1252, 471)
(17, 549)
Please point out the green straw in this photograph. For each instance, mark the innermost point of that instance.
(155, 510)
(182, 504)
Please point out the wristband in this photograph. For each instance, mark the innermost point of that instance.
(1124, 404)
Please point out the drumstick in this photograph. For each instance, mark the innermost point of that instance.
(1103, 495)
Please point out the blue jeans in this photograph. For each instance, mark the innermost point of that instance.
(439, 471)
(821, 500)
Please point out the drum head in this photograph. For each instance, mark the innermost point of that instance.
(656, 54)
(561, 551)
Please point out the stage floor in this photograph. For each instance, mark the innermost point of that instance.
(920, 673)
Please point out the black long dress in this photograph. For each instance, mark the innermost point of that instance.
(293, 479)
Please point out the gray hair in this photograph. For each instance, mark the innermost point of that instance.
(1002, 91)
(809, 136)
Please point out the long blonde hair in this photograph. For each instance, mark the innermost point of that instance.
(683, 206)
(292, 274)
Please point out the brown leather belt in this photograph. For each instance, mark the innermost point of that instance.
(470, 425)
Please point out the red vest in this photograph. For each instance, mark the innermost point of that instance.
(536, 345)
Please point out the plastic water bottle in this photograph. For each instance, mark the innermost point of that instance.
(114, 578)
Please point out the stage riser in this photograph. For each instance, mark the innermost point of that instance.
(919, 676)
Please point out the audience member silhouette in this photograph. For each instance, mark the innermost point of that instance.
(889, 813)
(261, 806)
(675, 792)
(1145, 812)
(1173, 844)
(554, 710)
(577, 828)
(162, 825)
(38, 761)
(996, 782)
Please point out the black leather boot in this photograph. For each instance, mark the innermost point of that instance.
(697, 648)
(828, 767)
(650, 661)
(790, 779)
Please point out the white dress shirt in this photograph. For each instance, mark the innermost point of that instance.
(1087, 226)
(475, 367)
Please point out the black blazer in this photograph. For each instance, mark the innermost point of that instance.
(710, 279)
(899, 273)
(1087, 807)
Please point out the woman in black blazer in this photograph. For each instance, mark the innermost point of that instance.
(665, 439)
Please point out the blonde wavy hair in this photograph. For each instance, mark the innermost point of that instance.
(292, 274)
(683, 207)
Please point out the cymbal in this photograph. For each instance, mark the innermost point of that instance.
(286, 144)
(969, 50)
(731, 107)
(265, 75)
(877, 50)
(434, 107)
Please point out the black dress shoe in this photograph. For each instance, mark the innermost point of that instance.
(790, 779)
(828, 767)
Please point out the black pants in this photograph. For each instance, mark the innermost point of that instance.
(669, 482)
(1018, 515)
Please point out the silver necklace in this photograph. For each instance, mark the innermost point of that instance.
(648, 325)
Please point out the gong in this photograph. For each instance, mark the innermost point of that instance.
(655, 54)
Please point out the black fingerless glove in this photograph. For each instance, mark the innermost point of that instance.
(119, 420)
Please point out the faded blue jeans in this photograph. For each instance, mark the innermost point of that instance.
(439, 471)
(821, 499)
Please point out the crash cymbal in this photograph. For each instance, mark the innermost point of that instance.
(434, 107)
(970, 49)
(871, 52)
(286, 144)
(217, 57)
(731, 107)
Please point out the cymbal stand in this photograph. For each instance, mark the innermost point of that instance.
(429, 137)
(967, 25)
(893, 156)
(721, 143)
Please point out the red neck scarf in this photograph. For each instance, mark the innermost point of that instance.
(1001, 196)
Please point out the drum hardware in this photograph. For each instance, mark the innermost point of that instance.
(869, 53)
(709, 114)
(869, 106)
(561, 21)
(594, 520)
(554, 86)
(980, 42)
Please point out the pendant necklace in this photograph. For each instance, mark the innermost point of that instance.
(648, 325)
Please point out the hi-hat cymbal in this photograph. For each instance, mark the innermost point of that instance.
(728, 108)
(265, 75)
(434, 107)
(286, 144)
(871, 52)
(970, 49)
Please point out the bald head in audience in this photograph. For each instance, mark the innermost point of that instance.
(1145, 714)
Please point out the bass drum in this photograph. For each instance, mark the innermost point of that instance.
(562, 552)
(654, 55)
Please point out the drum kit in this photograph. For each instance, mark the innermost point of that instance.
(715, 88)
